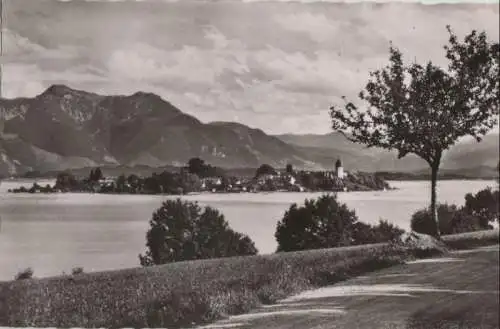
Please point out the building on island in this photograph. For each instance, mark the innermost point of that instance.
(339, 170)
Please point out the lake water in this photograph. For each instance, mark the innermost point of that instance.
(52, 233)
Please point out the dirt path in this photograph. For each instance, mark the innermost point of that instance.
(460, 291)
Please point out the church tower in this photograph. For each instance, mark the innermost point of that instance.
(339, 170)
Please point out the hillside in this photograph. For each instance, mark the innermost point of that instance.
(467, 156)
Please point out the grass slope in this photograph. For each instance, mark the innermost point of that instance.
(472, 239)
(186, 293)
(459, 294)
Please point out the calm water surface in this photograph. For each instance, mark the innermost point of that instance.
(53, 233)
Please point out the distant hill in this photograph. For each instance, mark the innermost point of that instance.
(467, 156)
(472, 154)
(64, 128)
(355, 155)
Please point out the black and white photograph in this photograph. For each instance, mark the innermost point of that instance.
(249, 164)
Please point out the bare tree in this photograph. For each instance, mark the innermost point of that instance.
(425, 109)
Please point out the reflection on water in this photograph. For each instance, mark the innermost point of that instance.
(55, 232)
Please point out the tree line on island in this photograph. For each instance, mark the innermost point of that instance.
(198, 176)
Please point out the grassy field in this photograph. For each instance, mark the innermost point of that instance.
(188, 293)
(461, 293)
(471, 239)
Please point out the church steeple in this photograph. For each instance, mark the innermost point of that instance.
(339, 171)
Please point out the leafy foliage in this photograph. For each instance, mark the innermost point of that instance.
(425, 109)
(326, 223)
(382, 232)
(25, 274)
(265, 169)
(163, 183)
(77, 270)
(66, 181)
(452, 220)
(135, 182)
(479, 211)
(96, 175)
(484, 205)
(181, 230)
(198, 167)
(320, 223)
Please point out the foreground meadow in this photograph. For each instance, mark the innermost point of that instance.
(188, 293)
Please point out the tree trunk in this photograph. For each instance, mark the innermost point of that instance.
(434, 213)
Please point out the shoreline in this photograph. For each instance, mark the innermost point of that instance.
(208, 192)
(35, 188)
(406, 179)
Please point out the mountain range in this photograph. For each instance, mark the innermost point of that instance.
(64, 128)
(467, 156)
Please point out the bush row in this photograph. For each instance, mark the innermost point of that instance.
(479, 213)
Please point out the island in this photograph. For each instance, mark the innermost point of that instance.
(199, 177)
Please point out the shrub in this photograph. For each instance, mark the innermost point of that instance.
(25, 274)
(463, 222)
(382, 232)
(386, 231)
(326, 223)
(181, 230)
(452, 220)
(421, 220)
(483, 205)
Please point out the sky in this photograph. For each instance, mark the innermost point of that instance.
(274, 65)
